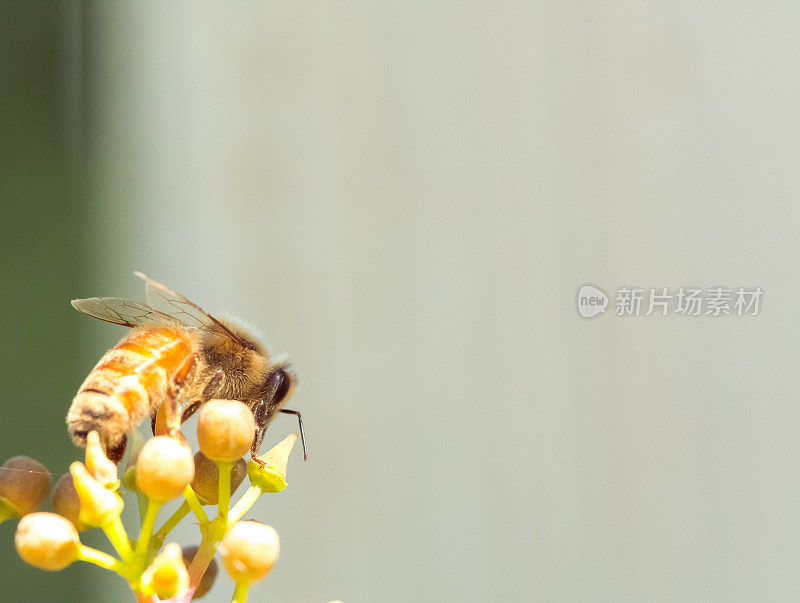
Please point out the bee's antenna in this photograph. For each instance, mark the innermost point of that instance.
(302, 433)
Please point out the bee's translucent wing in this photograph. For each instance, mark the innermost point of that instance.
(176, 305)
(125, 312)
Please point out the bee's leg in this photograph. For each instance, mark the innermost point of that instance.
(212, 387)
(187, 412)
(169, 416)
(209, 390)
(172, 417)
(190, 410)
(166, 420)
(260, 415)
(302, 433)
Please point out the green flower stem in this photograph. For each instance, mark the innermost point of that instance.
(117, 536)
(170, 524)
(141, 501)
(147, 527)
(240, 592)
(245, 503)
(195, 505)
(104, 560)
(213, 532)
(224, 496)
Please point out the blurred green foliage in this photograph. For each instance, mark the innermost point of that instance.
(42, 268)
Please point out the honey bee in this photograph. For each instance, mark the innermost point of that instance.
(175, 358)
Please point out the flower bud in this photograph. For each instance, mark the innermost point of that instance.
(98, 464)
(206, 478)
(270, 474)
(129, 478)
(166, 576)
(47, 541)
(66, 501)
(207, 581)
(249, 550)
(98, 505)
(225, 430)
(164, 468)
(24, 482)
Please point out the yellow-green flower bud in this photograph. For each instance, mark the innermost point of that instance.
(66, 502)
(166, 576)
(129, 479)
(24, 482)
(249, 550)
(98, 504)
(207, 581)
(100, 467)
(47, 541)
(164, 468)
(206, 478)
(225, 430)
(270, 473)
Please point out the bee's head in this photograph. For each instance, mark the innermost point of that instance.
(276, 389)
(281, 381)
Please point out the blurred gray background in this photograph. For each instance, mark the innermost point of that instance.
(406, 198)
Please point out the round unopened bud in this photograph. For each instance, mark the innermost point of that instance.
(166, 576)
(206, 478)
(249, 550)
(24, 482)
(164, 468)
(207, 581)
(66, 501)
(47, 541)
(225, 430)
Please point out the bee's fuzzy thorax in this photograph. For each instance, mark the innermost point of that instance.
(245, 330)
(248, 332)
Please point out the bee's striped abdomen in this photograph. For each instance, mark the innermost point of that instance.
(138, 374)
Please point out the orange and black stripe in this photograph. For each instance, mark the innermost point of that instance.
(136, 375)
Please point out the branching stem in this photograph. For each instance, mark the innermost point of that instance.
(169, 525)
(147, 527)
(104, 560)
(240, 592)
(195, 505)
(224, 496)
(118, 537)
(244, 504)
